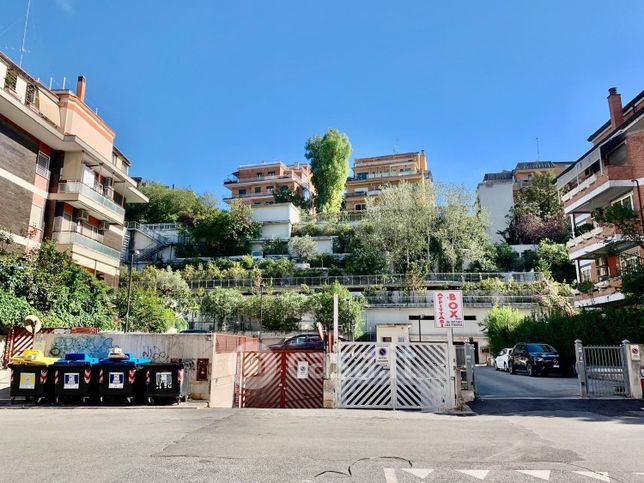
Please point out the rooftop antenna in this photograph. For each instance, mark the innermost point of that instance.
(24, 34)
(395, 148)
(538, 154)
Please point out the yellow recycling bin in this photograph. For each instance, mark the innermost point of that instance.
(30, 375)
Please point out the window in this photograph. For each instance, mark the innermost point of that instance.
(271, 173)
(585, 274)
(269, 189)
(258, 189)
(258, 175)
(42, 165)
(257, 203)
(362, 175)
(618, 156)
(242, 192)
(11, 80)
(31, 97)
(626, 202)
(360, 207)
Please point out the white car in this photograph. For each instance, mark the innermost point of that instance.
(501, 359)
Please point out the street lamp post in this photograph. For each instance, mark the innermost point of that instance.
(129, 289)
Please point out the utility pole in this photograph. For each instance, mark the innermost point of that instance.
(129, 289)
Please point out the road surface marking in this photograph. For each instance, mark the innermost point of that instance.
(596, 475)
(390, 475)
(541, 474)
(478, 474)
(421, 473)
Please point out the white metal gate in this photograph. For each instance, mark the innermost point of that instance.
(601, 370)
(393, 376)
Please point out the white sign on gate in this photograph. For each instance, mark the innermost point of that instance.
(448, 308)
(302, 369)
(382, 355)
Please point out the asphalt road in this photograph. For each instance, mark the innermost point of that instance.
(252, 445)
(502, 385)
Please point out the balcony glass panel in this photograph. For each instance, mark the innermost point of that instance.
(85, 190)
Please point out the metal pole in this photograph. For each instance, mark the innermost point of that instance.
(451, 372)
(581, 369)
(129, 291)
(336, 329)
(261, 305)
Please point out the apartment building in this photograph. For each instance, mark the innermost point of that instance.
(371, 174)
(255, 184)
(61, 177)
(610, 172)
(496, 193)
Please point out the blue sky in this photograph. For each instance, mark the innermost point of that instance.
(195, 88)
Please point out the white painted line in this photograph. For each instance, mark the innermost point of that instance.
(595, 475)
(478, 474)
(390, 475)
(421, 473)
(641, 474)
(541, 474)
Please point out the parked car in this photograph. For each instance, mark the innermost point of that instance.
(300, 342)
(501, 359)
(534, 358)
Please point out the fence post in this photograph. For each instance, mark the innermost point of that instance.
(581, 369)
(632, 383)
(469, 365)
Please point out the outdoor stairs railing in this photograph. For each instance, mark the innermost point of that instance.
(159, 242)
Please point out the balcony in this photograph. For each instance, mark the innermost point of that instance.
(90, 198)
(599, 189)
(260, 179)
(388, 174)
(73, 238)
(598, 242)
(605, 291)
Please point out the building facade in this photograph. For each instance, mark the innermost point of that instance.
(255, 184)
(496, 193)
(371, 174)
(610, 173)
(61, 176)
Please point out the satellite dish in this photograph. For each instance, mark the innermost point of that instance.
(32, 324)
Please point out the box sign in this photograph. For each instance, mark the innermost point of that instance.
(448, 308)
(116, 380)
(27, 380)
(164, 380)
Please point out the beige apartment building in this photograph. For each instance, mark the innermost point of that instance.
(371, 174)
(255, 184)
(61, 177)
(610, 173)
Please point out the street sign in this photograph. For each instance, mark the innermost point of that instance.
(302, 369)
(448, 308)
(635, 353)
(382, 355)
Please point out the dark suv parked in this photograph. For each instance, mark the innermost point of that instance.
(534, 358)
(300, 342)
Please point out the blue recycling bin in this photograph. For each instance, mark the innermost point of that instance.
(75, 378)
(121, 378)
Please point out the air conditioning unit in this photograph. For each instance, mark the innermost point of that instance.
(82, 215)
(104, 225)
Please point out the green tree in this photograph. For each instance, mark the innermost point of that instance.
(553, 258)
(460, 230)
(505, 258)
(148, 311)
(283, 194)
(171, 287)
(399, 224)
(167, 205)
(13, 310)
(221, 305)
(302, 247)
(329, 157)
(222, 233)
(349, 309)
(499, 327)
(278, 312)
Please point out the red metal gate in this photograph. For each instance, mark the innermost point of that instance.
(281, 379)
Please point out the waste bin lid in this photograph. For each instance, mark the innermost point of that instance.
(130, 361)
(33, 357)
(76, 358)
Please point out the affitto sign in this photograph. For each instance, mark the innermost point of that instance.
(448, 308)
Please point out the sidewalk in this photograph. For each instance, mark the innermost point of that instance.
(5, 375)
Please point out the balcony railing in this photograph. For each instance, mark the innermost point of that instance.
(235, 180)
(388, 174)
(91, 193)
(580, 187)
(367, 280)
(426, 299)
(74, 238)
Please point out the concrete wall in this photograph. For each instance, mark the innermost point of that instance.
(497, 199)
(280, 231)
(158, 347)
(324, 244)
(277, 212)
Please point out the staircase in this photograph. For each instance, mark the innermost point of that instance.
(159, 242)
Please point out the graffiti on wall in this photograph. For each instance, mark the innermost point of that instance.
(155, 353)
(92, 345)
